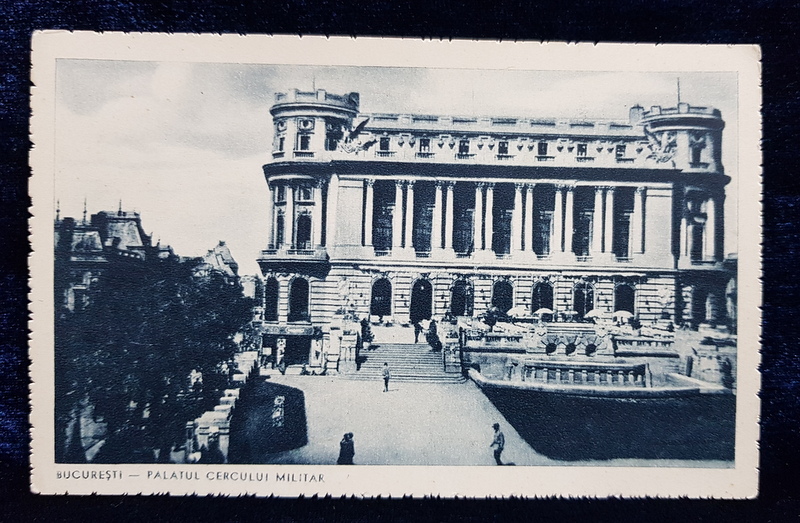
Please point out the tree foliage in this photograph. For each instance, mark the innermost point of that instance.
(147, 325)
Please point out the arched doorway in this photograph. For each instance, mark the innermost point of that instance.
(503, 295)
(461, 302)
(624, 298)
(303, 232)
(583, 299)
(381, 301)
(271, 291)
(298, 300)
(421, 301)
(542, 296)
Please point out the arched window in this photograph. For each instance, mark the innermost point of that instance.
(503, 295)
(583, 299)
(542, 297)
(624, 298)
(421, 301)
(279, 230)
(298, 300)
(304, 231)
(461, 301)
(381, 302)
(271, 290)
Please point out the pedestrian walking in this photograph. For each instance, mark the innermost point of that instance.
(386, 376)
(417, 331)
(499, 442)
(347, 450)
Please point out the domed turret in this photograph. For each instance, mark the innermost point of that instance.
(307, 123)
(688, 137)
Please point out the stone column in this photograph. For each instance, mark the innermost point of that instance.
(436, 222)
(271, 216)
(608, 244)
(710, 232)
(477, 235)
(369, 207)
(529, 217)
(489, 217)
(637, 218)
(516, 219)
(558, 221)
(448, 217)
(719, 227)
(397, 216)
(569, 219)
(409, 240)
(597, 222)
(316, 226)
(288, 219)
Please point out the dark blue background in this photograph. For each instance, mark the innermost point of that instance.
(769, 23)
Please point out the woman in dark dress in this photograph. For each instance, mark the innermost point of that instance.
(347, 450)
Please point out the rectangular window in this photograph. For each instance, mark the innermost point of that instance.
(463, 147)
(620, 150)
(281, 143)
(303, 142)
(384, 143)
(696, 155)
(280, 193)
(582, 149)
(502, 148)
(424, 145)
(331, 142)
(305, 194)
(542, 149)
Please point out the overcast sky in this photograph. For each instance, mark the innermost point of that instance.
(183, 144)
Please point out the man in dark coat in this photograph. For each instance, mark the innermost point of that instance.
(347, 450)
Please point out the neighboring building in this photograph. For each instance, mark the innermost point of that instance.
(407, 216)
(84, 249)
(218, 259)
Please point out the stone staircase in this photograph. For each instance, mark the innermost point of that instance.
(414, 362)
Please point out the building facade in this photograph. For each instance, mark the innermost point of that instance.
(404, 217)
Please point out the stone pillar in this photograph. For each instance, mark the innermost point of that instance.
(683, 247)
(477, 235)
(637, 220)
(408, 244)
(369, 208)
(271, 217)
(569, 219)
(288, 219)
(436, 222)
(516, 219)
(597, 222)
(709, 236)
(529, 217)
(316, 227)
(489, 217)
(556, 245)
(719, 227)
(608, 244)
(448, 217)
(397, 216)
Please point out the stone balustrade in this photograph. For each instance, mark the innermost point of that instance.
(579, 373)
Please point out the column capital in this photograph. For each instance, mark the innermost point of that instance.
(409, 183)
(519, 187)
(530, 186)
(570, 187)
(438, 183)
(480, 185)
(370, 181)
(320, 183)
(489, 185)
(561, 187)
(641, 189)
(399, 183)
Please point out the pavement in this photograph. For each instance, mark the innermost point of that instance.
(412, 424)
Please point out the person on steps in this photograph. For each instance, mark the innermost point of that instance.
(386, 376)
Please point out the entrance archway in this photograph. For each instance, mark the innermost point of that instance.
(461, 302)
(542, 296)
(298, 300)
(381, 301)
(583, 299)
(421, 301)
(624, 298)
(503, 295)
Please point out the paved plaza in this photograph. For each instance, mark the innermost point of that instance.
(412, 424)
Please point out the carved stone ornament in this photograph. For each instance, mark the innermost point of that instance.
(662, 145)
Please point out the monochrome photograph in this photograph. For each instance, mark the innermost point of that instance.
(462, 268)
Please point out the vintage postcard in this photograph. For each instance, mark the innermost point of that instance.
(331, 266)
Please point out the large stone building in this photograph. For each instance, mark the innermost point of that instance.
(407, 216)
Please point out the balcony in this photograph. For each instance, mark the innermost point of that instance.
(465, 156)
(278, 154)
(425, 155)
(584, 159)
(384, 154)
(303, 154)
(505, 156)
(621, 159)
(292, 258)
(545, 158)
